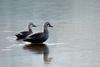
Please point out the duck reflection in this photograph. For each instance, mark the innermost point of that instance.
(39, 49)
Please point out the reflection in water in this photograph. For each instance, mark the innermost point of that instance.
(39, 49)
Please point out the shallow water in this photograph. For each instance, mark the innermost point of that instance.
(74, 39)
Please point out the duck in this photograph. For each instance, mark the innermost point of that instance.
(39, 37)
(23, 34)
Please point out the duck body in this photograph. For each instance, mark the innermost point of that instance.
(24, 34)
(39, 37)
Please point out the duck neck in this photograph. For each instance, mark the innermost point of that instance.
(29, 27)
(45, 29)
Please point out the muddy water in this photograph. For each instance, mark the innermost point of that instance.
(73, 41)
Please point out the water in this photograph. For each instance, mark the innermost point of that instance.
(73, 42)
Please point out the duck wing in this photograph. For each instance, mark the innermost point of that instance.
(24, 33)
(35, 36)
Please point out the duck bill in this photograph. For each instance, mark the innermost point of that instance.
(34, 26)
(50, 26)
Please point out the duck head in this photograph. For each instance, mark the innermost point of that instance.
(33, 25)
(48, 24)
